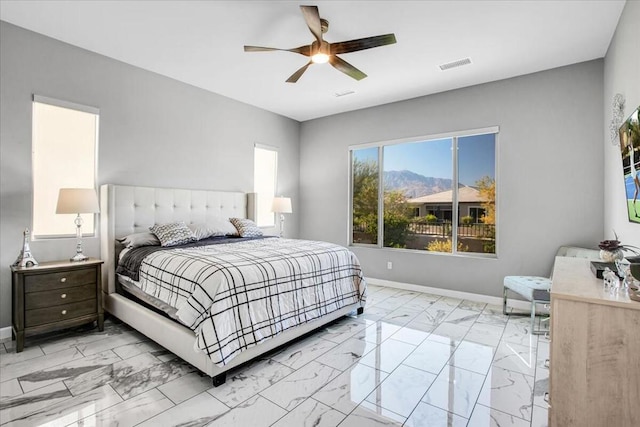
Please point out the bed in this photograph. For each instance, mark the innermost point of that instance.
(126, 210)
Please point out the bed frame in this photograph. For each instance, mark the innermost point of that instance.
(130, 209)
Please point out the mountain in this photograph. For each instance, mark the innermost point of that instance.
(415, 185)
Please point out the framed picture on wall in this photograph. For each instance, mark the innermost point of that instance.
(629, 134)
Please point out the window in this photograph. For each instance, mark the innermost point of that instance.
(365, 189)
(476, 214)
(265, 172)
(430, 194)
(64, 147)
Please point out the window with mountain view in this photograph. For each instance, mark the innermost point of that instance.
(432, 194)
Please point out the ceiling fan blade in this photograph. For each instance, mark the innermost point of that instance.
(312, 16)
(345, 67)
(295, 76)
(260, 49)
(302, 50)
(361, 44)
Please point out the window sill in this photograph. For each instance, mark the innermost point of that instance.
(475, 255)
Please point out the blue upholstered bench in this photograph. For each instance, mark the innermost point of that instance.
(536, 288)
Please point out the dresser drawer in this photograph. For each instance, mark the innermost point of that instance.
(60, 296)
(58, 313)
(58, 280)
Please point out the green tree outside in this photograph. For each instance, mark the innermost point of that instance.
(397, 214)
(487, 188)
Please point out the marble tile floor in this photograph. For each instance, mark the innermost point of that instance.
(411, 359)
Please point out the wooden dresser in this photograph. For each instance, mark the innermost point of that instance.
(55, 295)
(595, 351)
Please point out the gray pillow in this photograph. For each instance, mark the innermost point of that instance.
(246, 227)
(136, 240)
(172, 234)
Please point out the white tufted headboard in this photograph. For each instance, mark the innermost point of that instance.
(129, 209)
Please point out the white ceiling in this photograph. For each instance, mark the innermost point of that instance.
(201, 43)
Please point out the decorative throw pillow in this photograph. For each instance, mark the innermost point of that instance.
(246, 227)
(172, 234)
(136, 240)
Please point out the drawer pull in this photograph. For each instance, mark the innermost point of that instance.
(64, 312)
(64, 279)
(63, 296)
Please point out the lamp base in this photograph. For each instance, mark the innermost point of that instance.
(281, 225)
(79, 257)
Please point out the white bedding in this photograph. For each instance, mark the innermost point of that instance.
(235, 295)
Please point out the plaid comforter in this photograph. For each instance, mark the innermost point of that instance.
(235, 295)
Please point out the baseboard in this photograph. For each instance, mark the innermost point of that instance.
(514, 303)
(5, 333)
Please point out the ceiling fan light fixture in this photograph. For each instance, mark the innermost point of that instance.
(321, 53)
(320, 58)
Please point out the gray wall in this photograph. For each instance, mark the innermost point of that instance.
(550, 182)
(621, 75)
(154, 131)
(552, 179)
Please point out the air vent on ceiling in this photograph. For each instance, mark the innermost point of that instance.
(344, 93)
(454, 64)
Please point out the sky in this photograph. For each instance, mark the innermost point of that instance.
(476, 157)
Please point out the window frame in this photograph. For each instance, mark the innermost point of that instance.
(454, 135)
(71, 106)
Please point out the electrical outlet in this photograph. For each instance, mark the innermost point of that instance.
(389, 265)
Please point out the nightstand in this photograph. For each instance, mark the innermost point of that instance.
(55, 295)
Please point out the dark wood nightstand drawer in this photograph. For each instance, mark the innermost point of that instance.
(58, 280)
(41, 316)
(55, 295)
(61, 296)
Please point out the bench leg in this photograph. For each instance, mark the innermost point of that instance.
(538, 331)
(504, 300)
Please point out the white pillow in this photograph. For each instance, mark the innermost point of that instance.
(202, 231)
(173, 233)
(221, 226)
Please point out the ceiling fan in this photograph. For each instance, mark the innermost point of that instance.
(321, 51)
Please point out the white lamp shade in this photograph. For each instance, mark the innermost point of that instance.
(281, 205)
(77, 201)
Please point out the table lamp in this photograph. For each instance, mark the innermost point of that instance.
(281, 205)
(78, 201)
